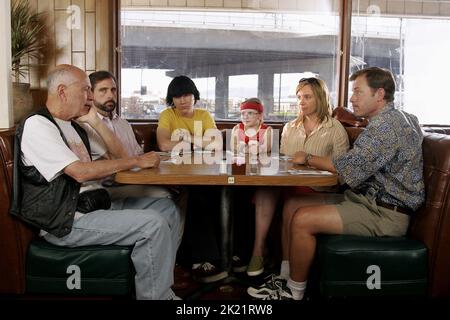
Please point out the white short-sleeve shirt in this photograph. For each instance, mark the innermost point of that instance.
(43, 147)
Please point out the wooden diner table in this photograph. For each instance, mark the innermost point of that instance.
(280, 172)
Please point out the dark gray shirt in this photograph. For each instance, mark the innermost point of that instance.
(386, 161)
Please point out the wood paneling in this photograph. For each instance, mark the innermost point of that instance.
(104, 34)
(79, 60)
(47, 8)
(90, 41)
(63, 38)
(61, 4)
(78, 29)
(77, 32)
(90, 5)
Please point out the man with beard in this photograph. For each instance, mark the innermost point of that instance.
(104, 91)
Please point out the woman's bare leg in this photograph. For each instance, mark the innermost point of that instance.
(266, 200)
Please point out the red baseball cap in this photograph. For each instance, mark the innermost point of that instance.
(252, 105)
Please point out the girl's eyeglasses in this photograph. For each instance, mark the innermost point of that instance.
(249, 114)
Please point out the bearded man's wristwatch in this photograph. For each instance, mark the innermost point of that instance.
(307, 158)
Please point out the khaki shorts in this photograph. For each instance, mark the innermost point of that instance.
(361, 216)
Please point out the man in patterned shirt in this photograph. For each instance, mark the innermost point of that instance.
(383, 171)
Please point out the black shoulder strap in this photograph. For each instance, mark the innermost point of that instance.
(83, 135)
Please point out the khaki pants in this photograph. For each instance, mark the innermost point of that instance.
(361, 216)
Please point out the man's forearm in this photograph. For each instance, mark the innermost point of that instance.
(86, 171)
(113, 144)
(322, 163)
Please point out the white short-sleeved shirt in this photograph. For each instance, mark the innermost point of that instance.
(43, 147)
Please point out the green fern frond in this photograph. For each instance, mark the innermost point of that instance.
(26, 32)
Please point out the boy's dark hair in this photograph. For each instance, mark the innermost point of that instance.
(179, 86)
(98, 76)
(378, 78)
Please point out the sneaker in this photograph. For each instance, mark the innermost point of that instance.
(207, 273)
(238, 264)
(283, 293)
(256, 266)
(173, 296)
(271, 286)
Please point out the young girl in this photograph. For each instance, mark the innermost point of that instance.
(251, 135)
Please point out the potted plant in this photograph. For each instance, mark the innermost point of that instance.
(26, 30)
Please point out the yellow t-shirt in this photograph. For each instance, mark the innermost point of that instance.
(171, 120)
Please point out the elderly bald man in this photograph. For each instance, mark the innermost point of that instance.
(56, 170)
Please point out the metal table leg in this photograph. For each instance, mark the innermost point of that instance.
(226, 216)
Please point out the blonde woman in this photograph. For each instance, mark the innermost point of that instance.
(315, 132)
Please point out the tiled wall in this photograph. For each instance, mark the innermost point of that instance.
(233, 4)
(409, 7)
(78, 32)
(405, 7)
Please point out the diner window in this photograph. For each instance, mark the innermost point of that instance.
(409, 38)
(285, 103)
(208, 93)
(240, 88)
(231, 55)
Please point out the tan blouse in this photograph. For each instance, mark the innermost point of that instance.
(329, 139)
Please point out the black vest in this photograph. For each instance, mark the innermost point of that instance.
(47, 205)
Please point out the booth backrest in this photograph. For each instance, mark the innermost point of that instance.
(15, 236)
(146, 136)
(431, 224)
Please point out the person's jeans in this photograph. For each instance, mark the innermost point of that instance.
(151, 225)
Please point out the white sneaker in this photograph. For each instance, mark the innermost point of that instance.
(173, 296)
(283, 293)
(270, 287)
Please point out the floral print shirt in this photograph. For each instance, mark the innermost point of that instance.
(386, 162)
